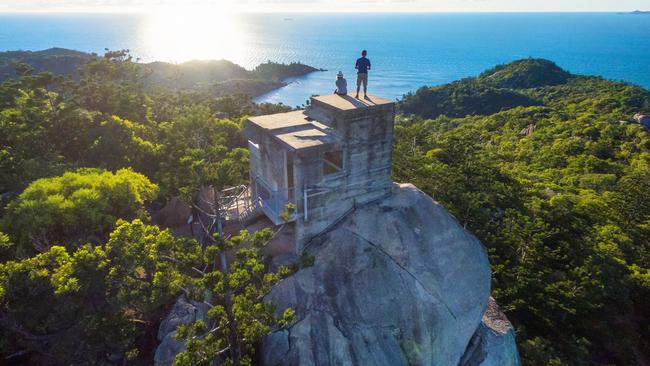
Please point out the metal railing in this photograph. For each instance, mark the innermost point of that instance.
(233, 202)
(241, 203)
(274, 201)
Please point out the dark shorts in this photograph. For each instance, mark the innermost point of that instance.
(362, 79)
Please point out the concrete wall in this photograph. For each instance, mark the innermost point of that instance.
(272, 162)
(366, 140)
(270, 166)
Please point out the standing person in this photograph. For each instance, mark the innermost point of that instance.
(362, 66)
(341, 84)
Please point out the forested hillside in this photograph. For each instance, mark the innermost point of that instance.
(552, 173)
(219, 77)
(85, 276)
(548, 169)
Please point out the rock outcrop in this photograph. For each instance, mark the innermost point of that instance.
(183, 312)
(493, 343)
(398, 282)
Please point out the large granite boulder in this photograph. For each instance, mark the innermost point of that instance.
(183, 312)
(398, 282)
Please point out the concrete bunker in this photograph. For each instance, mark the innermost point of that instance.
(323, 160)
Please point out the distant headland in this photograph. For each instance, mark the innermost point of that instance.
(221, 77)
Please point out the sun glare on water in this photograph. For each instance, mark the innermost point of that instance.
(178, 34)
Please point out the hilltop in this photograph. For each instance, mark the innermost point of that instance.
(499, 88)
(525, 74)
(550, 170)
(56, 60)
(218, 76)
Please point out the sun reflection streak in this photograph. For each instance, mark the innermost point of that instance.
(178, 34)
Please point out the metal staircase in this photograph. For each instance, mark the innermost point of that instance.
(250, 213)
(237, 204)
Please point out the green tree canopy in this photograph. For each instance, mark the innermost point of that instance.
(200, 149)
(114, 85)
(78, 286)
(559, 194)
(76, 208)
(92, 303)
(238, 316)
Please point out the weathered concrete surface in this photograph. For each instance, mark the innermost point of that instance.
(366, 131)
(398, 282)
(493, 343)
(326, 159)
(346, 102)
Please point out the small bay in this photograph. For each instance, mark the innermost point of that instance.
(407, 50)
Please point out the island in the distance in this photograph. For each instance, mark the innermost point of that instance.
(637, 12)
(221, 77)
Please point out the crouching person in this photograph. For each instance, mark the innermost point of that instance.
(341, 84)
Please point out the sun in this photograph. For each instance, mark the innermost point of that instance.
(178, 34)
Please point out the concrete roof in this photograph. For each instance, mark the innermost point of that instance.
(348, 102)
(281, 120)
(295, 130)
(306, 138)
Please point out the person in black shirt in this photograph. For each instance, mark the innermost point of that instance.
(362, 66)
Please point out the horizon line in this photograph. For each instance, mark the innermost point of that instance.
(348, 11)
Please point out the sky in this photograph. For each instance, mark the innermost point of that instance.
(327, 5)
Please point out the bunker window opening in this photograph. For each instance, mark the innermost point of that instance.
(332, 162)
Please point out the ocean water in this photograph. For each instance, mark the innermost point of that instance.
(406, 50)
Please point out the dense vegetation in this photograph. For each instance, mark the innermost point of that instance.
(552, 174)
(219, 77)
(75, 208)
(493, 91)
(85, 276)
(57, 60)
(546, 168)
